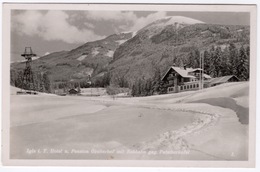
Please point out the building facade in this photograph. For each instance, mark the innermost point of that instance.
(179, 79)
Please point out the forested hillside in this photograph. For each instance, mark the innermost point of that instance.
(137, 60)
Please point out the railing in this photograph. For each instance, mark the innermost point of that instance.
(187, 86)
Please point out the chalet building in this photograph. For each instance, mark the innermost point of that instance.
(184, 79)
(181, 79)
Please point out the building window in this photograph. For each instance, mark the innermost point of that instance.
(171, 89)
(188, 87)
(197, 85)
(181, 88)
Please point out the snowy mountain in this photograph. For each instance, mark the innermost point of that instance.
(176, 22)
(134, 55)
(171, 40)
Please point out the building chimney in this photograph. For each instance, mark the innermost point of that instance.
(184, 67)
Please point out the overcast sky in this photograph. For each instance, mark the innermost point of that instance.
(51, 31)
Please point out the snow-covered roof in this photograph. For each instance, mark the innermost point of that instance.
(184, 72)
(193, 70)
(222, 79)
(206, 76)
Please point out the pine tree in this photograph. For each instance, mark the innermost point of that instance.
(139, 87)
(13, 77)
(196, 58)
(41, 84)
(207, 62)
(133, 89)
(248, 51)
(46, 82)
(248, 61)
(148, 87)
(217, 61)
(106, 79)
(156, 80)
(233, 55)
(19, 80)
(225, 64)
(191, 58)
(180, 62)
(242, 65)
(212, 67)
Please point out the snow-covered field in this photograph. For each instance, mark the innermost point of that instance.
(93, 91)
(210, 124)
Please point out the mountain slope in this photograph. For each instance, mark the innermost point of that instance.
(87, 60)
(139, 56)
(133, 56)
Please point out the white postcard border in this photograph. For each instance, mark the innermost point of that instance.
(126, 163)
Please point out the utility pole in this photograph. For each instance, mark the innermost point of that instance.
(202, 71)
(28, 82)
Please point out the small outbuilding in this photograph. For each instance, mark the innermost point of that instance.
(222, 80)
(73, 91)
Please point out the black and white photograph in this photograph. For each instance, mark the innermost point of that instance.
(149, 83)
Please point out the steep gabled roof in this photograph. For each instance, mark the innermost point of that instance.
(183, 72)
